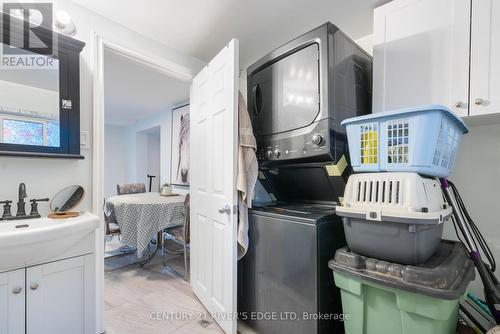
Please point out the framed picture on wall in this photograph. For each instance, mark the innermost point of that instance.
(180, 146)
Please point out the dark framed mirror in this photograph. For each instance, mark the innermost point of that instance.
(39, 92)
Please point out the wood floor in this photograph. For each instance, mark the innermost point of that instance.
(150, 300)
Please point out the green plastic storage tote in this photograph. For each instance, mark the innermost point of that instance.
(387, 298)
(423, 140)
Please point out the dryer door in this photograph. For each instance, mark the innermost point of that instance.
(285, 95)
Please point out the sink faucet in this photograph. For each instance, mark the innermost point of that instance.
(21, 205)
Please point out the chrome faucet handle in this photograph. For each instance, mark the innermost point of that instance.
(46, 199)
(6, 209)
(34, 206)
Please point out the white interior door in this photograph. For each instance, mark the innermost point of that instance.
(213, 127)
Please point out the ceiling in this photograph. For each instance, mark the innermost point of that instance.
(200, 28)
(134, 91)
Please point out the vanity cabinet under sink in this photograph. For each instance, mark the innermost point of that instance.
(56, 297)
(12, 302)
(48, 276)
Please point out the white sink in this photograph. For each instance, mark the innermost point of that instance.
(28, 242)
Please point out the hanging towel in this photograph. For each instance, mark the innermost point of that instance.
(247, 173)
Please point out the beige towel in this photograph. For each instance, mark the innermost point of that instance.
(247, 173)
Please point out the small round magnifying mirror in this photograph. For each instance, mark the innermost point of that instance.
(66, 200)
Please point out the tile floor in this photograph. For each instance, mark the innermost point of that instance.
(143, 300)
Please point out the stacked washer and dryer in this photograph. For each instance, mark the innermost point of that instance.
(297, 96)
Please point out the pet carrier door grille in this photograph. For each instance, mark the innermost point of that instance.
(387, 191)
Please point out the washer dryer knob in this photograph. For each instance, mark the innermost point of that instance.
(317, 139)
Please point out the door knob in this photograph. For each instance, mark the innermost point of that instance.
(226, 209)
(34, 286)
(17, 290)
(459, 104)
(478, 101)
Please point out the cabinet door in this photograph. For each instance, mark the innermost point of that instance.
(61, 297)
(485, 56)
(12, 302)
(421, 54)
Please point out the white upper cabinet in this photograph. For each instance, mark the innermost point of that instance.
(438, 52)
(421, 54)
(485, 58)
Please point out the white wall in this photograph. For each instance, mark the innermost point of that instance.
(115, 158)
(162, 120)
(154, 160)
(477, 176)
(147, 159)
(129, 157)
(366, 43)
(136, 149)
(140, 157)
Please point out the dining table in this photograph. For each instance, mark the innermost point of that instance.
(141, 216)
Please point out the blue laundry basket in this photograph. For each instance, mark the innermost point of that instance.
(422, 140)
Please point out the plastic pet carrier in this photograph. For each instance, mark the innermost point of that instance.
(393, 216)
(390, 298)
(422, 140)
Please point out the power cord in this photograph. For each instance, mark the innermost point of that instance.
(478, 237)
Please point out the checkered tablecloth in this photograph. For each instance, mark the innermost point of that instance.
(141, 216)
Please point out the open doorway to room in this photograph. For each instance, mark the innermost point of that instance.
(139, 104)
(146, 192)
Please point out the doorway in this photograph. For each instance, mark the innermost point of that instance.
(138, 108)
(130, 144)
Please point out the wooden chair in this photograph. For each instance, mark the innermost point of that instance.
(180, 235)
